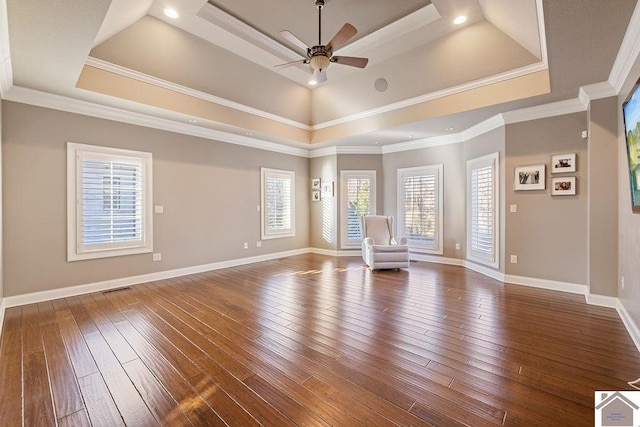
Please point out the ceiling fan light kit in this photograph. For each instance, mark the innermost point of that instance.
(321, 56)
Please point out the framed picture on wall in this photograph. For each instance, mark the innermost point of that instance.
(315, 183)
(530, 177)
(563, 186)
(327, 189)
(561, 163)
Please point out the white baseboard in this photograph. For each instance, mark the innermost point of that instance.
(2, 309)
(487, 271)
(573, 288)
(340, 253)
(143, 278)
(436, 259)
(631, 326)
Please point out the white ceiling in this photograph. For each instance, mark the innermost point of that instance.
(224, 52)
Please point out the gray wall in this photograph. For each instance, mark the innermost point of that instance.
(603, 203)
(451, 156)
(1, 187)
(209, 191)
(324, 222)
(548, 233)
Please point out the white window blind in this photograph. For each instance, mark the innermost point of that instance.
(109, 202)
(482, 198)
(278, 190)
(420, 202)
(358, 198)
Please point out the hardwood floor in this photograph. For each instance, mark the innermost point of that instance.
(313, 340)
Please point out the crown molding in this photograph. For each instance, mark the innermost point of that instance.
(411, 22)
(512, 74)
(332, 151)
(72, 105)
(596, 91)
(553, 109)
(481, 128)
(542, 33)
(146, 78)
(628, 52)
(423, 143)
(6, 70)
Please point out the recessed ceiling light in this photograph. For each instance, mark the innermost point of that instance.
(193, 121)
(377, 142)
(460, 20)
(313, 82)
(171, 13)
(449, 129)
(248, 134)
(410, 136)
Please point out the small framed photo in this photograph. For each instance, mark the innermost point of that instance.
(327, 189)
(315, 196)
(561, 163)
(530, 177)
(563, 186)
(315, 183)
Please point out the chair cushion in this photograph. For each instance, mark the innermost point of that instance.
(378, 228)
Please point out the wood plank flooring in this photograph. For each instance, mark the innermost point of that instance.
(313, 340)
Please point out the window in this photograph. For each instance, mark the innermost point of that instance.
(358, 191)
(278, 200)
(482, 210)
(108, 202)
(420, 208)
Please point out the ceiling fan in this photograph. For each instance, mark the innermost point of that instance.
(321, 56)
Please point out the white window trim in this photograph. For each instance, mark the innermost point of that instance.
(75, 251)
(344, 175)
(492, 260)
(437, 248)
(291, 232)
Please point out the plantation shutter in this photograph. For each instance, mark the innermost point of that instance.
(111, 201)
(278, 192)
(420, 209)
(358, 203)
(482, 210)
(278, 203)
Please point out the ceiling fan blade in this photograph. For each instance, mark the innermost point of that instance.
(346, 32)
(321, 76)
(350, 60)
(289, 64)
(288, 36)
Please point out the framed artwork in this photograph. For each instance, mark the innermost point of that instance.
(315, 196)
(563, 186)
(327, 189)
(315, 183)
(631, 114)
(561, 163)
(530, 177)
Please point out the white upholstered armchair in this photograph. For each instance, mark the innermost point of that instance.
(380, 249)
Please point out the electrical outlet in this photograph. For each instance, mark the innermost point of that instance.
(157, 256)
(457, 246)
(246, 245)
(159, 209)
(513, 208)
(514, 259)
(258, 244)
